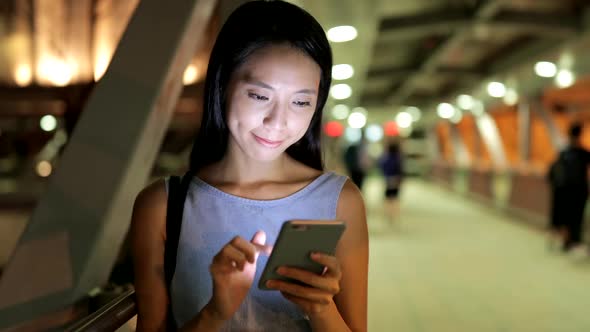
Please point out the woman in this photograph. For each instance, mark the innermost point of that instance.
(392, 168)
(256, 163)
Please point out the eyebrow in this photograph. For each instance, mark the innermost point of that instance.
(251, 80)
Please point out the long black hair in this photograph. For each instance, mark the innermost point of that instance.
(250, 27)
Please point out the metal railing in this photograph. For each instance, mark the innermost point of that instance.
(109, 317)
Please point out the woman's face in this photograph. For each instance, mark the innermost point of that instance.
(271, 100)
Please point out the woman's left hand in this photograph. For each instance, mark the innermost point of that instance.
(319, 291)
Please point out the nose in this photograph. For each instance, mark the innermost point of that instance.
(276, 118)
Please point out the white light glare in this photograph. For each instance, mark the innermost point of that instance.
(511, 97)
(565, 78)
(357, 120)
(342, 33)
(374, 133)
(352, 135)
(496, 89)
(445, 110)
(545, 69)
(342, 71)
(403, 119)
(341, 91)
(457, 116)
(48, 123)
(466, 102)
(340, 112)
(415, 113)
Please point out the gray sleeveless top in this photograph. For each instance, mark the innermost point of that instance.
(212, 218)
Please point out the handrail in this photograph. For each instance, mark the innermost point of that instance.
(110, 316)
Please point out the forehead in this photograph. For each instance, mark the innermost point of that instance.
(282, 62)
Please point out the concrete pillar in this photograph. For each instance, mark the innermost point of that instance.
(77, 228)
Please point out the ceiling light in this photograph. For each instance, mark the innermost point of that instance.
(352, 135)
(403, 119)
(48, 123)
(565, 78)
(445, 110)
(44, 168)
(340, 112)
(374, 133)
(357, 120)
(465, 102)
(545, 69)
(190, 75)
(56, 71)
(23, 75)
(414, 112)
(341, 91)
(457, 116)
(496, 89)
(342, 71)
(342, 33)
(478, 108)
(511, 97)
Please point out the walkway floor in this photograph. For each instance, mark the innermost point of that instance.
(450, 265)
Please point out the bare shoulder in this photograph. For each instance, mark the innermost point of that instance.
(350, 202)
(149, 211)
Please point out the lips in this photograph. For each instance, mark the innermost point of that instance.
(266, 142)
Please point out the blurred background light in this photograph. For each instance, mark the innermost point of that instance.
(342, 33)
(342, 71)
(357, 120)
(341, 91)
(340, 112)
(48, 123)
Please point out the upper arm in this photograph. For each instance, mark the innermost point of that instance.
(148, 235)
(353, 254)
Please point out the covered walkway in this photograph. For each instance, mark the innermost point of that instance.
(450, 264)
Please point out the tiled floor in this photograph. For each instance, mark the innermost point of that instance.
(450, 265)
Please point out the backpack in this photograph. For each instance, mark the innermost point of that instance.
(567, 170)
(177, 190)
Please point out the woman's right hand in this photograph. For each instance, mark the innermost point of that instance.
(233, 270)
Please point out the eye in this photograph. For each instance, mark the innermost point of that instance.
(302, 103)
(256, 96)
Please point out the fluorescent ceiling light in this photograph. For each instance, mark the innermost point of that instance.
(342, 71)
(341, 91)
(545, 69)
(342, 33)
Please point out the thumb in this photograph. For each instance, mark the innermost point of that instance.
(259, 241)
(259, 238)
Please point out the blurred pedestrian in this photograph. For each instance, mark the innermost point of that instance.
(568, 178)
(391, 164)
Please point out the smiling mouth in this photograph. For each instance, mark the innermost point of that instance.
(267, 143)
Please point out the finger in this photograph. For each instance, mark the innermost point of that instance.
(304, 292)
(246, 247)
(330, 262)
(231, 255)
(259, 242)
(327, 283)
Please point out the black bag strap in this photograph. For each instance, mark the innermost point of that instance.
(177, 190)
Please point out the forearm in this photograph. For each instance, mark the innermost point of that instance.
(328, 320)
(203, 321)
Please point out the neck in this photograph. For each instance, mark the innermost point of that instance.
(238, 168)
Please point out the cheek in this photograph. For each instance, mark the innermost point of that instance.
(301, 124)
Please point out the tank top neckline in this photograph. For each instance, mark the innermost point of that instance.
(222, 194)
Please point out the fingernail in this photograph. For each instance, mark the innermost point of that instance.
(270, 284)
(281, 270)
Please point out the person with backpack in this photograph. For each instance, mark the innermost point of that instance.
(256, 163)
(568, 178)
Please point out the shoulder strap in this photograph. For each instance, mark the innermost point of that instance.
(177, 190)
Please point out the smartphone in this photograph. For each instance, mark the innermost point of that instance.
(296, 241)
